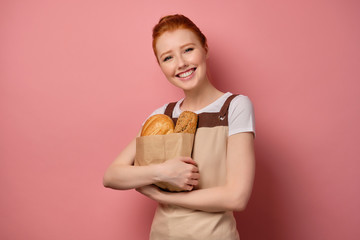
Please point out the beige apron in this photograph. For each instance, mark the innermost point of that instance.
(177, 223)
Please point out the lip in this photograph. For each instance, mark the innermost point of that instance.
(187, 77)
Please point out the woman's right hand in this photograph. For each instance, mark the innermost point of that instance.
(181, 172)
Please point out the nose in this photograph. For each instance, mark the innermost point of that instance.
(182, 64)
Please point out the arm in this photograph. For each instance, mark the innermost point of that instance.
(121, 174)
(233, 195)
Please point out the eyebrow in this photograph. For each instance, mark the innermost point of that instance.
(182, 46)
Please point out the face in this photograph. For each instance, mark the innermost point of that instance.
(182, 59)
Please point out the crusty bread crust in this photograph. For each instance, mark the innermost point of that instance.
(158, 124)
(186, 123)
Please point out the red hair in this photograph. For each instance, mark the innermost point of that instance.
(174, 22)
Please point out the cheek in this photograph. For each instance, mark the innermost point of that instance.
(167, 69)
(198, 59)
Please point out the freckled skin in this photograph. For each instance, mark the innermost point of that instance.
(179, 51)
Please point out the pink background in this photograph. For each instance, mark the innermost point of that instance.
(77, 78)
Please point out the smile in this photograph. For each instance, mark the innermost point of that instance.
(186, 73)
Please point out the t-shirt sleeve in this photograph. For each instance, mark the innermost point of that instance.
(241, 115)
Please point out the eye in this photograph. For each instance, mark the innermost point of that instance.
(189, 49)
(167, 58)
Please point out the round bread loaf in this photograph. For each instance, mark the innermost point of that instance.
(186, 123)
(158, 124)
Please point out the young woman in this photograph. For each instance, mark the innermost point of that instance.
(221, 171)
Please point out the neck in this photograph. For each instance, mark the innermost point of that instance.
(199, 98)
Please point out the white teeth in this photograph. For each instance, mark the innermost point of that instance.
(186, 74)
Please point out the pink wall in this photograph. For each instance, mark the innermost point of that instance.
(77, 78)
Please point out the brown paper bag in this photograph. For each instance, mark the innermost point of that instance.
(159, 148)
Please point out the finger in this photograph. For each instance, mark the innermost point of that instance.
(186, 187)
(195, 169)
(189, 187)
(193, 182)
(195, 176)
(189, 160)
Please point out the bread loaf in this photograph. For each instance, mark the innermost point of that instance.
(161, 124)
(186, 123)
(158, 124)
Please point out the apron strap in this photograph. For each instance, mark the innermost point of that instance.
(207, 119)
(225, 107)
(169, 109)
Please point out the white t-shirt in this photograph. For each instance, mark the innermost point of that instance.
(240, 113)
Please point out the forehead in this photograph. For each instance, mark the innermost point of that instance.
(172, 40)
